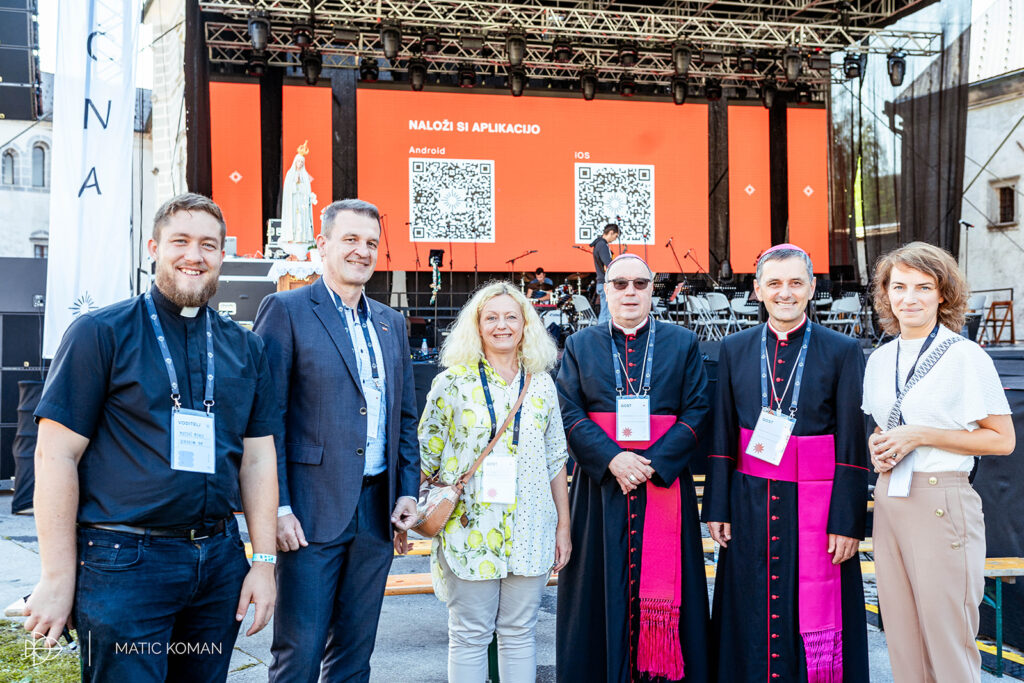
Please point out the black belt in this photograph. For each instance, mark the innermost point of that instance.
(193, 534)
(372, 479)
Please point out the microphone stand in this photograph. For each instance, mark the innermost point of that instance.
(451, 269)
(476, 268)
(673, 248)
(512, 261)
(700, 270)
(416, 277)
(382, 222)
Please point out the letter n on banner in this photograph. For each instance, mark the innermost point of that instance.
(90, 182)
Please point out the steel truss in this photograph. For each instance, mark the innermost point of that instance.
(725, 27)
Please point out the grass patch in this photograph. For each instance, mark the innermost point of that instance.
(17, 664)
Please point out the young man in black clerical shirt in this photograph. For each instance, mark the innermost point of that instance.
(786, 492)
(155, 424)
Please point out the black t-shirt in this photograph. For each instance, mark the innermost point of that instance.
(108, 383)
(602, 257)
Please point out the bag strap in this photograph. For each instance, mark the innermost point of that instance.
(896, 412)
(508, 420)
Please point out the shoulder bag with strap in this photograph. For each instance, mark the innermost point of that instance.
(437, 501)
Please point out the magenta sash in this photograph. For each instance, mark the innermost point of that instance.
(810, 461)
(659, 651)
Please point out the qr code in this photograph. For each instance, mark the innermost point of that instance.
(615, 193)
(451, 200)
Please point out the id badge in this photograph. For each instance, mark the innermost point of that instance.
(771, 434)
(633, 418)
(499, 480)
(372, 395)
(193, 444)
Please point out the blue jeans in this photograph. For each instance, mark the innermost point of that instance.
(604, 316)
(155, 609)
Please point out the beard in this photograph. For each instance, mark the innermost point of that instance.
(196, 296)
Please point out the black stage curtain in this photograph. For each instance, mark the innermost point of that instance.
(198, 166)
(24, 447)
(897, 153)
(270, 151)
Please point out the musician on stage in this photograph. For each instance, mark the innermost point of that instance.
(786, 492)
(540, 287)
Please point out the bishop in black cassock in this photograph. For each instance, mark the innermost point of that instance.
(759, 630)
(599, 607)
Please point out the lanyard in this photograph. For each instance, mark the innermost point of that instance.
(647, 369)
(490, 404)
(924, 347)
(796, 373)
(364, 319)
(169, 363)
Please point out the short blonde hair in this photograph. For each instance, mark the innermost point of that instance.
(930, 260)
(537, 350)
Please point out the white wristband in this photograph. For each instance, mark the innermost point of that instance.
(263, 557)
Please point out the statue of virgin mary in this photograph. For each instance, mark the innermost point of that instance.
(297, 201)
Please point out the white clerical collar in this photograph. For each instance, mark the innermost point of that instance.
(784, 336)
(631, 330)
(189, 311)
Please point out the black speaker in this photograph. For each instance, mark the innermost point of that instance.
(26, 5)
(15, 64)
(6, 455)
(9, 393)
(16, 28)
(18, 102)
(20, 336)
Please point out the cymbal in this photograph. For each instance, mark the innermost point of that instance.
(577, 276)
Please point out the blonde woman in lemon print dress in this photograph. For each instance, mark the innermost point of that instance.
(493, 559)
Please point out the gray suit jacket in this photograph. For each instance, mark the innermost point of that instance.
(320, 453)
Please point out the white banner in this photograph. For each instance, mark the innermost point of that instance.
(91, 174)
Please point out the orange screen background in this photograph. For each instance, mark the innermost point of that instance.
(807, 139)
(235, 160)
(534, 174)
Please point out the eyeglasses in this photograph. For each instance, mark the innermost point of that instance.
(639, 284)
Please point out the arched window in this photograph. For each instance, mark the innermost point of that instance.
(7, 168)
(39, 166)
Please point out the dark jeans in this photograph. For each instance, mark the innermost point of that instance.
(157, 609)
(329, 597)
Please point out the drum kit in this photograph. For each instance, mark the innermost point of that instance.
(557, 312)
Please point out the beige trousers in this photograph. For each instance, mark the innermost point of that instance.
(930, 563)
(479, 609)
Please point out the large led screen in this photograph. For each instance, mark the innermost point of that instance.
(488, 177)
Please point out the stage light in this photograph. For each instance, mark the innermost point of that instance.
(679, 90)
(467, 75)
(345, 35)
(746, 63)
(712, 89)
(627, 85)
(819, 61)
(681, 55)
(896, 63)
(515, 47)
(259, 29)
(588, 84)
(368, 70)
(471, 41)
(431, 43)
(853, 65)
(768, 92)
(312, 64)
(417, 73)
(390, 38)
(792, 63)
(740, 92)
(803, 94)
(561, 48)
(302, 33)
(257, 64)
(516, 81)
(627, 55)
(711, 57)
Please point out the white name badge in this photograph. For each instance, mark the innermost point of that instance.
(771, 434)
(193, 444)
(499, 480)
(372, 395)
(633, 418)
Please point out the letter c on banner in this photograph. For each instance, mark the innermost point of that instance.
(89, 46)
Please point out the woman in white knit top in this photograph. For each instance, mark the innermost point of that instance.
(929, 531)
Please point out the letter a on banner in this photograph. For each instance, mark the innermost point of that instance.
(91, 178)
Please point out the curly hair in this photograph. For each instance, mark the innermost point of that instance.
(537, 350)
(930, 260)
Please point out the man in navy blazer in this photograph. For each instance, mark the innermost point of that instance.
(348, 461)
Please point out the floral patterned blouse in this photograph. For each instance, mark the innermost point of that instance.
(455, 428)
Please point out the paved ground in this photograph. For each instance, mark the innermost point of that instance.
(411, 638)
